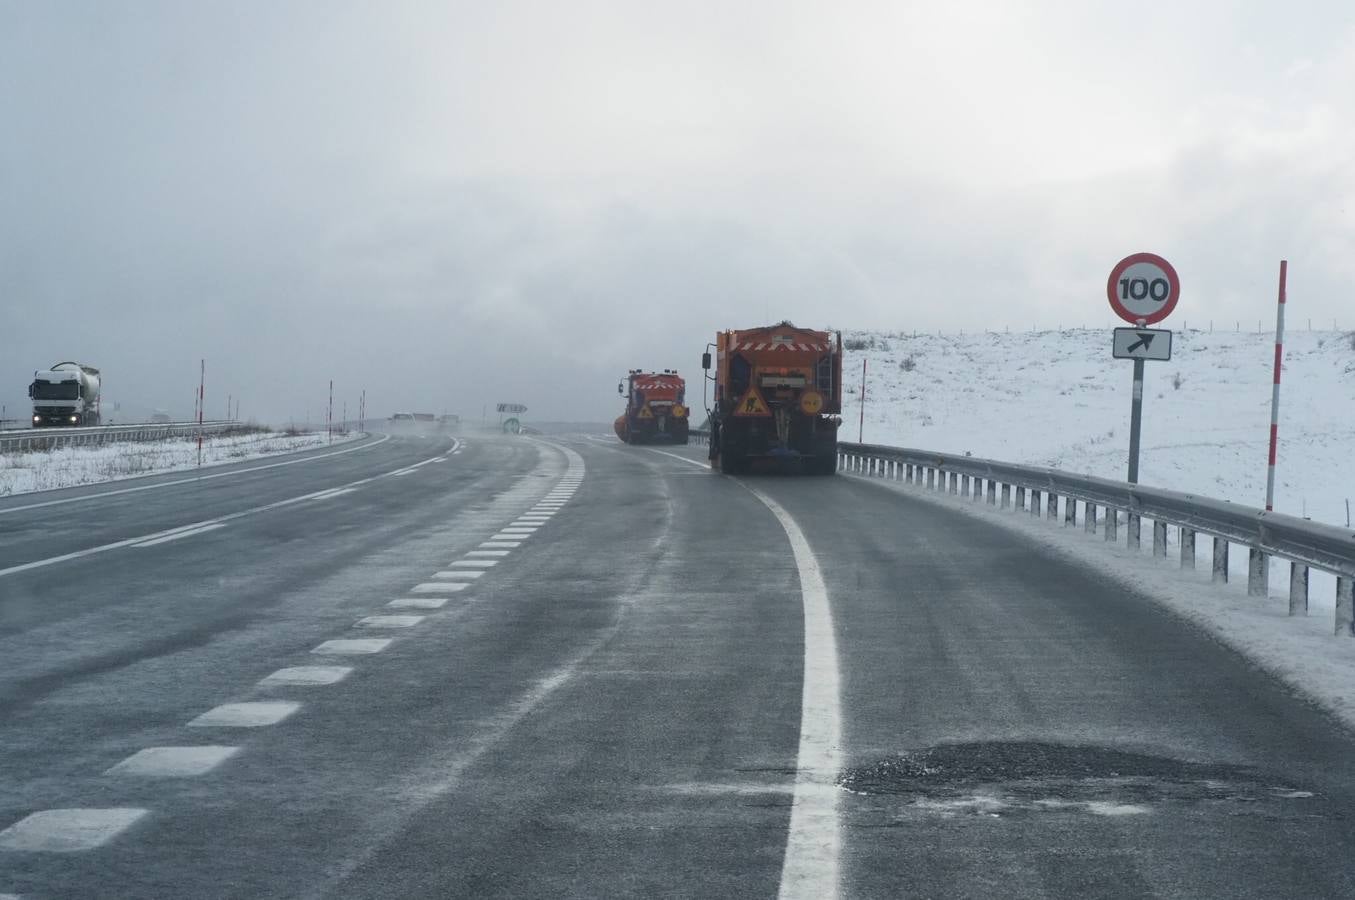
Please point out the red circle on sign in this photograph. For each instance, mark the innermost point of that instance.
(1119, 295)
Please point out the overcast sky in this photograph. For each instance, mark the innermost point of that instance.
(453, 204)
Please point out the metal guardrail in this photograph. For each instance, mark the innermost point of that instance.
(38, 439)
(1302, 543)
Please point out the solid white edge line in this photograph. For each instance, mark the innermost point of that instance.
(181, 534)
(809, 869)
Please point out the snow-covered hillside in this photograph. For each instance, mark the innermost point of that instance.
(1057, 398)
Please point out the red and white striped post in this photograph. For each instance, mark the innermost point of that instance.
(1275, 389)
(861, 426)
(202, 398)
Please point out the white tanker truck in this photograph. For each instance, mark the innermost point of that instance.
(66, 394)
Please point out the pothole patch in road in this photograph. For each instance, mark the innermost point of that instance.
(1005, 778)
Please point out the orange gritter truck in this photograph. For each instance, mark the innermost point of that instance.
(778, 395)
(656, 408)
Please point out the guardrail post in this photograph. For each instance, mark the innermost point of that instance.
(1089, 523)
(1135, 527)
(1345, 606)
(1258, 573)
(1070, 512)
(1052, 507)
(1220, 560)
(1159, 538)
(992, 492)
(1112, 524)
(1298, 589)
(1187, 547)
(1006, 496)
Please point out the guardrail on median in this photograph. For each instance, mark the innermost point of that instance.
(1304, 544)
(36, 439)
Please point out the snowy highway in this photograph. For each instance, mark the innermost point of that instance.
(566, 667)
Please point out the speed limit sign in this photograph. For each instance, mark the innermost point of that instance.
(1143, 288)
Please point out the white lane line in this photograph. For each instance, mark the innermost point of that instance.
(489, 552)
(442, 587)
(525, 524)
(389, 621)
(419, 603)
(306, 675)
(503, 536)
(180, 534)
(68, 830)
(352, 646)
(501, 545)
(809, 869)
(331, 494)
(457, 576)
(173, 762)
(196, 478)
(402, 472)
(474, 564)
(253, 714)
(78, 554)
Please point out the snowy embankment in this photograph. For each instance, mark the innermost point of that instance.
(72, 466)
(1058, 399)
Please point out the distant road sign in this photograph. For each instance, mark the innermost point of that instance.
(512, 426)
(515, 408)
(1143, 287)
(1142, 343)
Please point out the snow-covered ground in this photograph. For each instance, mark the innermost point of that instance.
(71, 466)
(1058, 399)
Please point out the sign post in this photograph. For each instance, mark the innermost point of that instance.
(1143, 288)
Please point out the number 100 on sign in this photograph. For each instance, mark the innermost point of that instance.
(1143, 288)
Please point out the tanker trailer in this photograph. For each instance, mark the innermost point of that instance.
(67, 394)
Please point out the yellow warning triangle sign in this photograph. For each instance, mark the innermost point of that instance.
(644, 413)
(752, 404)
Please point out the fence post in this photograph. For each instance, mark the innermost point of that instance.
(1345, 606)
(992, 492)
(1070, 512)
(1220, 560)
(1187, 547)
(1006, 496)
(1053, 507)
(1089, 521)
(1258, 573)
(1298, 589)
(1159, 538)
(1112, 524)
(1135, 526)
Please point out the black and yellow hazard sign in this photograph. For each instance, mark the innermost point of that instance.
(679, 411)
(752, 404)
(811, 403)
(644, 413)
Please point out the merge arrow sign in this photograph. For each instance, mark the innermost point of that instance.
(1142, 343)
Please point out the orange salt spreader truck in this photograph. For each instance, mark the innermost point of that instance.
(778, 395)
(656, 409)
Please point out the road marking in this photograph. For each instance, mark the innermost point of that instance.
(353, 646)
(520, 529)
(475, 564)
(526, 525)
(175, 483)
(442, 587)
(331, 494)
(78, 554)
(457, 576)
(68, 830)
(173, 762)
(306, 675)
(419, 602)
(180, 534)
(489, 552)
(402, 472)
(501, 545)
(809, 868)
(389, 621)
(246, 715)
(504, 536)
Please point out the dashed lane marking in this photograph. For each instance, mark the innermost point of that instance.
(306, 675)
(68, 830)
(504, 536)
(440, 587)
(475, 564)
(463, 575)
(254, 714)
(173, 762)
(352, 646)
(501, 545)
(389, 621)
(489, 552)
(187, 532)
(419, 603)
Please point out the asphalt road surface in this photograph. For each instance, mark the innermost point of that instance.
(563, 667)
